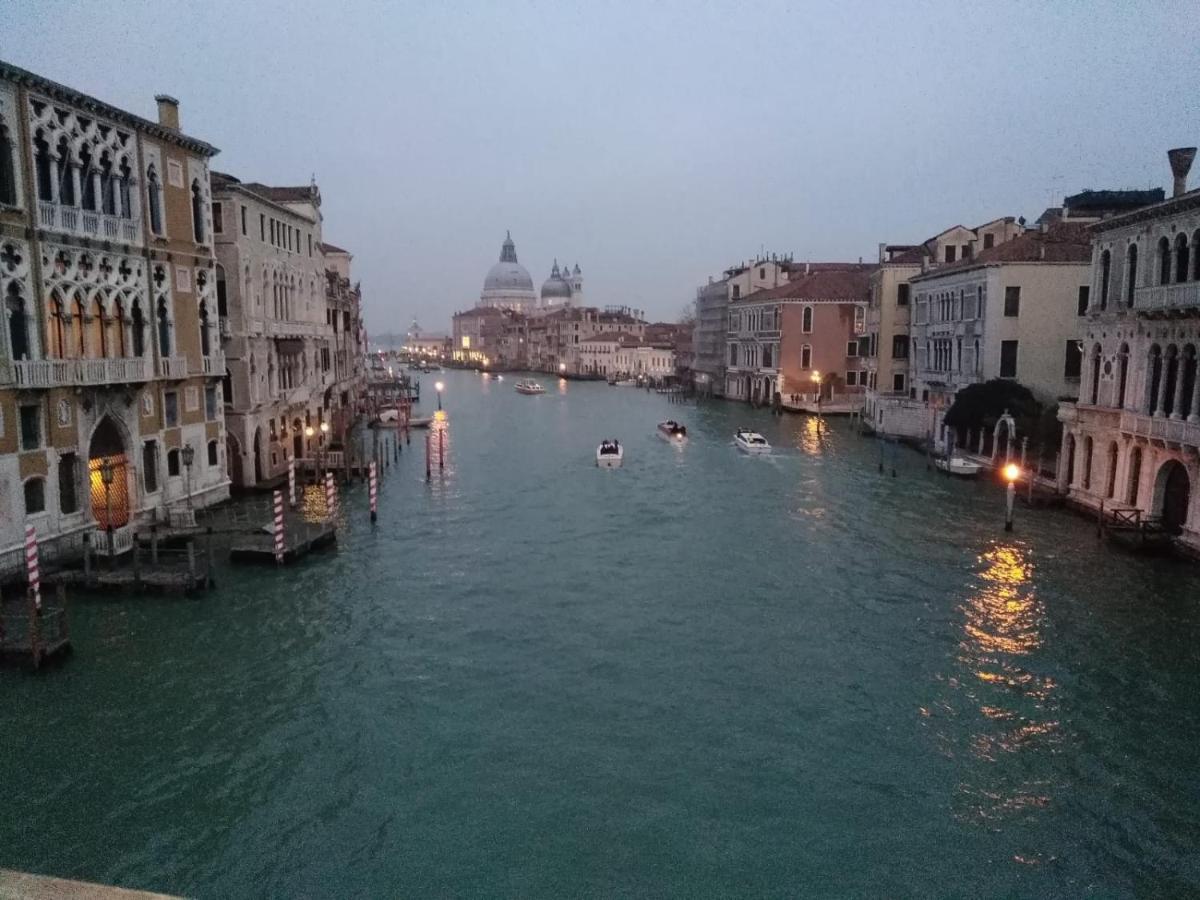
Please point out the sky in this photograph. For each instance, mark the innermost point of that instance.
(654, 143)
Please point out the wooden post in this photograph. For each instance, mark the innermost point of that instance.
(154, 545)
(208, 552)
(1032, 476)
(35, 628)
(1100, 520)
(137, 561)
(441, 448)
(87, 557)
(428, 451)
(191, 558)
(371, 487)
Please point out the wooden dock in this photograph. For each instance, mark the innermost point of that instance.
(299, 539)
(32, 636)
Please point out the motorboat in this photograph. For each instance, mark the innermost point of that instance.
(672, 430)
(751, 441)
(956, 465)
(530, 387)
(626, 382)
(420, 422)
(610, 454)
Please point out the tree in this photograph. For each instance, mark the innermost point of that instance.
(981, 406)
(687, 315)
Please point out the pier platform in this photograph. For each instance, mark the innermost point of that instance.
(299, 539)
(24, 886)
(28, 636)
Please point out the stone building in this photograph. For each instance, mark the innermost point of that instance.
(1133, 438)
(508, 284)
(815, 323)
(110, 358)
(1014, 310)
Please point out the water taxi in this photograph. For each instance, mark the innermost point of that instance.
(672, 430)
(751, 441)
(956, 465)
(530, 387)
(610, 454)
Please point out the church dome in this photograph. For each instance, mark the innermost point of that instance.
(508, 274)
(555, 288)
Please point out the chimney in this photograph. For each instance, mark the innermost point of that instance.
(882, 253)
(806, 268)
(168, 111)
(1181, 163)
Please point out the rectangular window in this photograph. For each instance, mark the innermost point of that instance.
(902, 294)
(173, 463)
(1074, 360)
(218, 228)
(852, 348)
(1084, 298)
(1008, 359)
(272, 230)
(951, 253)
(210, 402)
(898, 381)
(737, 291)
(244, 232)
(212, 453)
(851, 379)
(733, 354)
(1012, 301)
(900, 346)
(150, 466)
(31, 427)
(967, 251)
(68, 478)
(262, 227)
(310, 245)
(171, 408)
(806, 356)
(989, 241)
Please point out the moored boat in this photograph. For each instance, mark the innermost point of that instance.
(751, 441)
(530, 387)
(672, 430)
(610, 454)
(956, 465)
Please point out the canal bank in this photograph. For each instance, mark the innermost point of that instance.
(698, 674)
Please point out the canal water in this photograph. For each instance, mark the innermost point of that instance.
(699, 675)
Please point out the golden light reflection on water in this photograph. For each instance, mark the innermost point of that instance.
(997, 707)
(811, 435)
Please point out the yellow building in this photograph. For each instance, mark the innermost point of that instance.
(110, 360)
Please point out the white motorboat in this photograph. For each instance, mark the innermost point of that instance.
(420, 422)
(751, 441)
(956, 465)
(672, 431)
(530, 387)
(610, 455)
(628, 382)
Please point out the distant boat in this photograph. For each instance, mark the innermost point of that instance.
(751, 442)
(423, 422)
(529, 387)
(956, 465)
(610, 455)
(627, 382)
(672, 430)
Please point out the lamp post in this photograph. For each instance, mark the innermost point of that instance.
(816, 379)
(106, 477)
(562, 369)
(308, 435)
(438, 386)
(324, 441)
(1011, 473)
(189, 457)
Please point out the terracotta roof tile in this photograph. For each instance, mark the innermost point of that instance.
(825, 281)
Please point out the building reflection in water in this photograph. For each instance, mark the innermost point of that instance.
(1000, 714)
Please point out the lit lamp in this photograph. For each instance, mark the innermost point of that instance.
(438, 386)
(189, 457)
(106, 477)
(562, 368)
(1012, 472)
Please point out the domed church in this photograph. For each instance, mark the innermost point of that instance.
(563, 288)
(508, 284)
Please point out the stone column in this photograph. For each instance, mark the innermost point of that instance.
(97, 192)
(1164, 374)
(54, 170)
(1194, 415)
(77, 184)
(1181, 402)
(118, 197)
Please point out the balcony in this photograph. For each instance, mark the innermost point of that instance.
(1168, 297)
(50, 373)
(1177, 432)
(87, 223)
(174, 367)
(213, 364)
(295, 329)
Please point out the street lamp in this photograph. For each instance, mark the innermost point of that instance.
(322, 447)
(562, 368)
(438, 386)
(106, 476)
(189, 456)
(1011, 473)
(816, 379)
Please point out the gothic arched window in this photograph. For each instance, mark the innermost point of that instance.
(197, 212)
(18, 326)
(154, 200)
(8, 167)
(43, 168)
(1130, 273)
(137, 326)
(1105, 274)
(164, 329)
(205, 339)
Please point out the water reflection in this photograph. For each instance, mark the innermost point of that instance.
(1000, 709)
(811, 436)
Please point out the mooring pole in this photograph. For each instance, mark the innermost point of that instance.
(428, 452)
(441, 448)
(372, 489)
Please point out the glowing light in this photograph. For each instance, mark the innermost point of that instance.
(816, 377)
(1012, 472)
(562, 367)
(324, 428)
(308, 431)
(439, 416)
(438, 386)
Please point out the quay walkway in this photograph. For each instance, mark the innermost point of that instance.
(24, 886)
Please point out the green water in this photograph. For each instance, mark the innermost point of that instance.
(700, 675)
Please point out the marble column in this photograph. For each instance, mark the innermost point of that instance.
(1180, 403)
(55, 165)
(1164, 374)
(1194, 415)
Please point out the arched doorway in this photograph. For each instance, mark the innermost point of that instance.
(233, 459)
(108, 475)
(1171, 491)
(258, 468)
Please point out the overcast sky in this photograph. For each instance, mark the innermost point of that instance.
(654, 143)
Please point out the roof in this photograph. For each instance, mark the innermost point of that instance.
(825, 281)
(1061, 241)
(85, 101)
(289, 194)
(1184, 202)
(1114, 199)
(327, 247)
(618, 336)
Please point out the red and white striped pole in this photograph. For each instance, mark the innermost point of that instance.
(330, 495)
(279, 526)
(292, 481)
(31, 565)
(373, 491)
